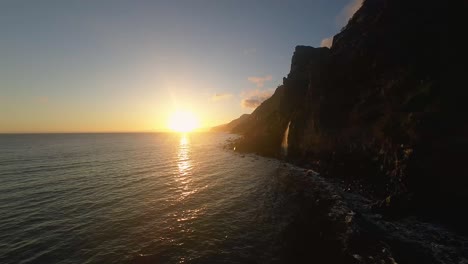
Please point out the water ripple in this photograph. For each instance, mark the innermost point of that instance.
(108, 198)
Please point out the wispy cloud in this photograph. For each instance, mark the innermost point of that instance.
(259, 81)
(221, 96)
(253, 98)
(348, 11)
(327, 42)
(252, 102)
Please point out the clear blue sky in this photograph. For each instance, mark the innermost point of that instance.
(126, 65)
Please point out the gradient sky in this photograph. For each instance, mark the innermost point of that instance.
(84, 66)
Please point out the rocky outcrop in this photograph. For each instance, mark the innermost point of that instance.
(264, 130)
(344, 230)
(231, 125)
(384, 107)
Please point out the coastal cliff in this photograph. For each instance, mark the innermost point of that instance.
(384, 107)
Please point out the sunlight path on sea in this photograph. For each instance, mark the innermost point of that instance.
(110, 198)
(184, 163)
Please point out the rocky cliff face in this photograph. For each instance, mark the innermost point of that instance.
(231, 125)
(385, 106)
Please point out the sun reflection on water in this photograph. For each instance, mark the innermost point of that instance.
(184, 164)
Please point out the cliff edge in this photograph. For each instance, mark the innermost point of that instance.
(384, 107)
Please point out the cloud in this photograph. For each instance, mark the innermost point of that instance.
(348, 11)
(221, 96)
(327, 42)
(253, 98)
(252, 102)
(259, 81)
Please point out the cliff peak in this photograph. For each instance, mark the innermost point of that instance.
(386, 96)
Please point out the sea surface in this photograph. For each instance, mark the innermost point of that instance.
(139, 198)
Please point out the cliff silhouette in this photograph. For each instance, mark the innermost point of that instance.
(384, 109)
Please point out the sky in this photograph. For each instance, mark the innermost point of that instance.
(123, 66)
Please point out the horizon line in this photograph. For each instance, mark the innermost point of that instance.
(103, 132)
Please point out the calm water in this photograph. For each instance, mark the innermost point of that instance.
(108, 198)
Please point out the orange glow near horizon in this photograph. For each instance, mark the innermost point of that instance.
(183, 121)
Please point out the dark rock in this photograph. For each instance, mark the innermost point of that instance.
(394, 205)
(231, 125)
(383, 109)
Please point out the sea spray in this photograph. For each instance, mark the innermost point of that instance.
(284, 143)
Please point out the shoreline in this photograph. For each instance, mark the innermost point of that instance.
(345, 220)
(357, 227)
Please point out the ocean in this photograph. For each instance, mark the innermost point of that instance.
(140, 198)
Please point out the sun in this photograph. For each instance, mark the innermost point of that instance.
(183, 121)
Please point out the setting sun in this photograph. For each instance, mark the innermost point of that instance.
(182, 121)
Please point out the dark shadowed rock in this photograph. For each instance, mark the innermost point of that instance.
(384, 108)
(231, 125)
